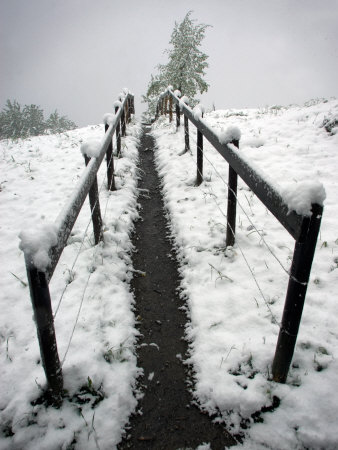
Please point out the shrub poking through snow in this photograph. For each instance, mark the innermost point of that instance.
(330, 124)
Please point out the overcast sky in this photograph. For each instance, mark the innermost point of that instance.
(77, 55)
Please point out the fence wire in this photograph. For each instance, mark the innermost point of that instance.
(214, 196)
(93, 256)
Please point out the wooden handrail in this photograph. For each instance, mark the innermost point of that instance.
(39, 279)
(259, 184)
(304, 229)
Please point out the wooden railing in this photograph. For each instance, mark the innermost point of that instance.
(304, 229)
(39, 279)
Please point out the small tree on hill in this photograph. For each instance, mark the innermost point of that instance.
(186, 65)
(56, 123)
(12, 123)
(33, 120)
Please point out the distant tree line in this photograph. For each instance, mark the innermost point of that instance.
(18, 121)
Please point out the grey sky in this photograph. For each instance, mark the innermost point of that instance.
(77, 55)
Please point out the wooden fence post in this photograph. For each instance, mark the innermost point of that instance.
(95, 208)
(132, 105)
(165, 105)
(110, 164)
(123, 123)
(128, 110)
(44, 321)
(161, 106)
(186, 134)
(232, 204)
(299, 276)
(199, 178)
(170, 109)
(178, 117)
(118, 135)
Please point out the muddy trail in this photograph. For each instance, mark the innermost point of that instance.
(166, 417)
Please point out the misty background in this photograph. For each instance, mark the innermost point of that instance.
(77, 55)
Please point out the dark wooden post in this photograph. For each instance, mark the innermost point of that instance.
(170, 109)
(232, 204)
(299, 276)
(44, 321)
(186, 134)
(128, 110)
(118, 135)
(161, 106)
(199, 178)
(123, 123)
(95, 208)
(165, 105)
(178, 117)
(110, 164)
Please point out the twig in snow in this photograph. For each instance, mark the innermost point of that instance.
(221, 275)
(21, 281)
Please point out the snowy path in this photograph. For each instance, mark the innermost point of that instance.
(166, 419)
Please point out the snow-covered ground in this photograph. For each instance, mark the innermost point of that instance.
(235, 296)
(37, 177)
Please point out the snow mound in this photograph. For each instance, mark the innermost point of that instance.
(300, 196)
(109, 119)
(91, 148)
(229, 135)
(253, 142)
(184, 101)
(198, 111)
(36, 243)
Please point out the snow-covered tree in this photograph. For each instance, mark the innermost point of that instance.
(33, 120)
(17, 122)
(56, 123)
(12, 123)
(186, 63)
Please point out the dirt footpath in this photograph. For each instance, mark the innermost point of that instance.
(166, 418)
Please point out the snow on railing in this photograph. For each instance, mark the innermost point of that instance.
(42, 246)
(298, 208)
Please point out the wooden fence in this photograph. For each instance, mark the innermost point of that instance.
(304, 229)
(39, 280)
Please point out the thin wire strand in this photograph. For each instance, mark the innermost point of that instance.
(241, 250)
(253, 225)
(247, 216)
(76, 321)
(247, 263)
(85, 232)
(86, 286)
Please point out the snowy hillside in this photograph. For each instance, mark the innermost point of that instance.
(99, 367)
(235, 297)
